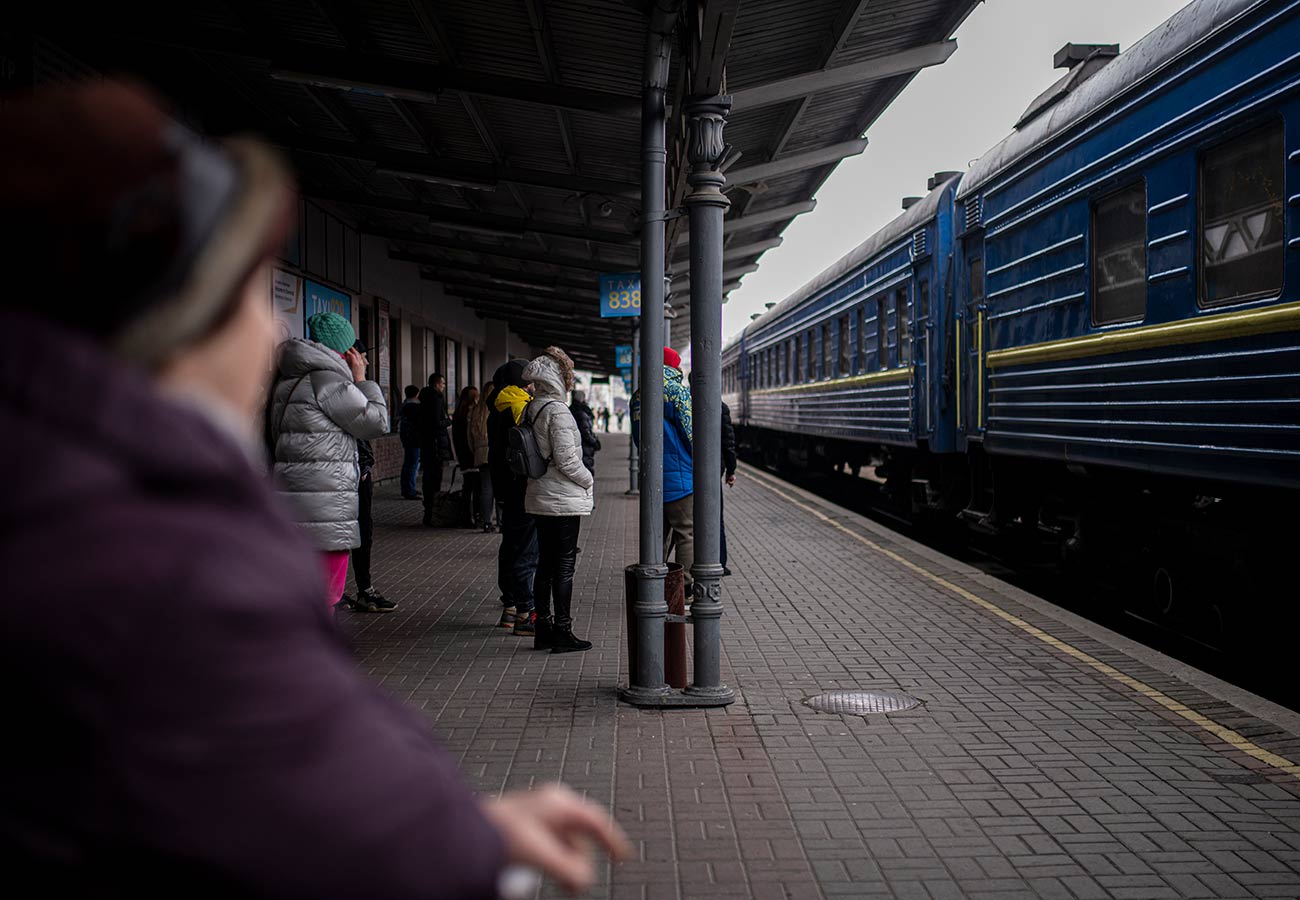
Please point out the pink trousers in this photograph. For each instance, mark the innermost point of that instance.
(336, 573)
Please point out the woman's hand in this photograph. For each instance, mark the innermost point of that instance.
(357, 363)
(553, 830)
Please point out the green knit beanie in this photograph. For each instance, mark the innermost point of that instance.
(333, 331)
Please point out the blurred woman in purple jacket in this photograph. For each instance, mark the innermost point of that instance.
(190, 723)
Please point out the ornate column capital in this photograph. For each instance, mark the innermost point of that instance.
(706, 118)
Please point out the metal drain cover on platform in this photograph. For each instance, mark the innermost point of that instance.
(861, 703)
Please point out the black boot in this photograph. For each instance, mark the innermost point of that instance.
(428, 517)
(544, 635)
(563, 640)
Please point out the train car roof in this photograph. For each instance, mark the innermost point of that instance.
(903, 224)
(1181, 31)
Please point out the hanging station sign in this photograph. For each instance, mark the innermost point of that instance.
(623, 356)
(620, 294)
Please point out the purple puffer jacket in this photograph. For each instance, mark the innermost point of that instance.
(181, 717)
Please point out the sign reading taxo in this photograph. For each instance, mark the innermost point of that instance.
(623, 356)
(620, 294)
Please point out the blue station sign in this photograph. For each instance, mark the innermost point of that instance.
(623, 356)
(620, 294)
(318, 299)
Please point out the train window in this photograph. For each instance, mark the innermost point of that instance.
(1119, 256)
(882, 335)
(844, 346)
(1241, 218)
(923, 302)
(902, 323)
(826, 362)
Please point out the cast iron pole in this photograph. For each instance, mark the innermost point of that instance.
(707, 205)
(648, 687)
(633, 487)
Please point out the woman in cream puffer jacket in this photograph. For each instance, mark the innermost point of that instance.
(557, 500)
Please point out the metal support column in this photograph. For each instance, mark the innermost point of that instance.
(633, 487)
(648, 687)
(707, 205)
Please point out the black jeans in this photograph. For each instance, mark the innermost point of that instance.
(517, 557)
(557, 555)
(361, 555)
(722, 527)
(473, 494)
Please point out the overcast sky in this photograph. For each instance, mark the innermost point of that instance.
(948, 116)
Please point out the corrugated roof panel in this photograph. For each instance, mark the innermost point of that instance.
(597, 45)
(776, 38)
(491, 36)
(300, 20)
(397, 32)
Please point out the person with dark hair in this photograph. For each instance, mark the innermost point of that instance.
(206, 733)
(586, 420)
(408, 425)
(729, 476)
(435, 444)
(465, 404)
(557, 500)
(479, 446)
(517, 556)
(367, 599)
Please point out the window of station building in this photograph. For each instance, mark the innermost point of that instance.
(1119, 256)
(882, 334)
(844, 347)
(1242, 229)
(902, 323)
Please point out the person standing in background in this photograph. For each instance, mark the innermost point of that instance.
(435, 444)
(517, 556)
(479, 446)
(586, 421)
(558, 500)
(321, 406)
(367, 599)
(729, 476)
(465, 404)
(604, 418)
(408, 427)
(679, 480)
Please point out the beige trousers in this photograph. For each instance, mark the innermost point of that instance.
(679, 532)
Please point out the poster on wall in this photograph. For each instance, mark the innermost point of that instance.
(385, 355)
(318, 299)
(286, 301)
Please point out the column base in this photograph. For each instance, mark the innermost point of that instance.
(632, 492)
(691, 698)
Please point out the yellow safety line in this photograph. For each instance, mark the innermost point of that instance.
(1227, 735)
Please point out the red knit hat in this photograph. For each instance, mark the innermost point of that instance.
(672, 358)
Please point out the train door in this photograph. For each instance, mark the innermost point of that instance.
(970, 342)
(922, 331)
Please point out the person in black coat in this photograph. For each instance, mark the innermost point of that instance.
(586, 419)
(435, 443)
(517, 556)
(408, 424)
(728, 473)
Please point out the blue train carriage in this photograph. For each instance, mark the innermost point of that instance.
(840, 373)
(1128, 276)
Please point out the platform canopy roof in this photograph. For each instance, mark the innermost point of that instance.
(496, 142)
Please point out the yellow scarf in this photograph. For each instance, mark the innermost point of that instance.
(514, 398)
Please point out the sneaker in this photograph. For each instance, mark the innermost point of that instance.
(507, 618)
(563, 641)
(371, 601)
(524, 624)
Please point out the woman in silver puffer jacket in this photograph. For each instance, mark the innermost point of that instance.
(320, 408)
(557, 501)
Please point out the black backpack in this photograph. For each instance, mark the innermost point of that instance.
(523, 455)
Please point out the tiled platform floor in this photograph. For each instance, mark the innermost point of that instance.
(1031, 769)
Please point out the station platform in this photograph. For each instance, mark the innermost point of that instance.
(1047, 758)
